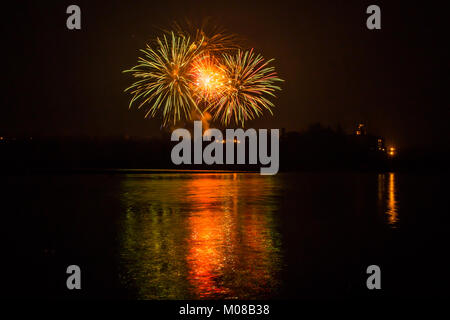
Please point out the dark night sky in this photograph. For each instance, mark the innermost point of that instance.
(62, 82)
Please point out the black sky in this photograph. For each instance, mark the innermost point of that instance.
(62, 82)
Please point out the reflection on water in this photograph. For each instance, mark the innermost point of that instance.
(387, 197)
(200, 236)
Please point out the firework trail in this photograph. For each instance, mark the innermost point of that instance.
(211, 38)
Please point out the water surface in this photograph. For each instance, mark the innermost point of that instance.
(225, 235)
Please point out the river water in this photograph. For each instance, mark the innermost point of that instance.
(182, 235)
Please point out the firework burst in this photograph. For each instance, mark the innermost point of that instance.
(209, 79)
(165, 79)
(182, 77)
(249, 79)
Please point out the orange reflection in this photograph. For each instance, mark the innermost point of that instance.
(231, 250)
(208, 228)
(392, 211)
(387, 198)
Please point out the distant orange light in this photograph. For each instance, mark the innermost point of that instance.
(392, 151)
(225, 141)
